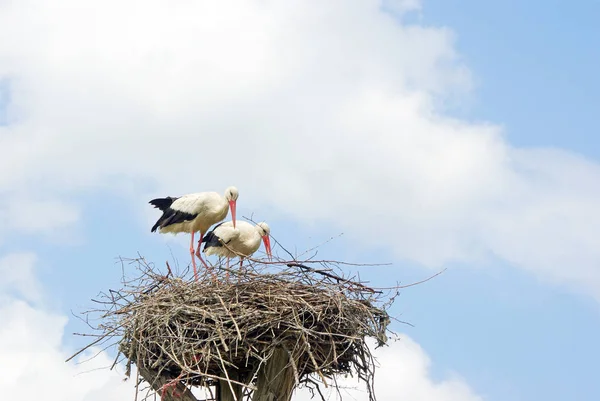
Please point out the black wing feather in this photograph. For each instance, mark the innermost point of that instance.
(172, 216)
(211, 239)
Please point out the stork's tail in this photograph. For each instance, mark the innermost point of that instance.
(162, 203)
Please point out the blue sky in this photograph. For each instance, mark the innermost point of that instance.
(536, 66)
(508, 320)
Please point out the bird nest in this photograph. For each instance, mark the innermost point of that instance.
(201, 333)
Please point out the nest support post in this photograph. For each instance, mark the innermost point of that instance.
(224, 389)
(275, 381)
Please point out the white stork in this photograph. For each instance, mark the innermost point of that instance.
(194, 212)
(242, 241)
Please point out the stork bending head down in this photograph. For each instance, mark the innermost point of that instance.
(226, 241)
(194, 212)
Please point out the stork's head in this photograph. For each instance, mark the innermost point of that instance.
(264, 231)
(231, 194)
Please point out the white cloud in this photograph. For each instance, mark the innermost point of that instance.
(403, 373)
(33, 356)
(325, 110)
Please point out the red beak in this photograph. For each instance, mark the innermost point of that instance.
(267, 242)
(232, 208)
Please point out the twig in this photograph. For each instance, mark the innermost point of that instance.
(333, 276)
(92, 344)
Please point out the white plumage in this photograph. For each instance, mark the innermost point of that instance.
(194, 212)
(241, 241)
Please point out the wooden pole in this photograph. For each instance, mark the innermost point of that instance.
(275, 382)
(276, 379)
(224, 391)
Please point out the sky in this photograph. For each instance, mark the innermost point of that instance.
(427, 134)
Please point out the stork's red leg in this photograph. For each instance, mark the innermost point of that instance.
(198, 250)
(199, 245)
(203, 262)
(193, 259)
(199, 255)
